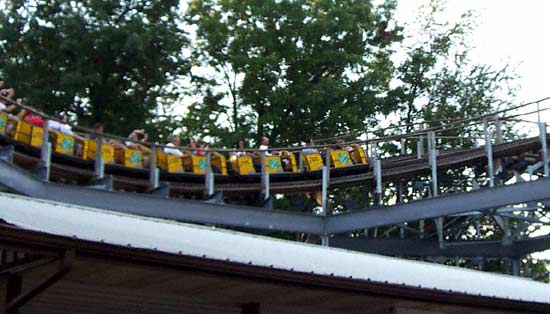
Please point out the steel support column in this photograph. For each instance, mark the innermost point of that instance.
(209, 176)
(100, 181)
(378, 178)
(153, 170)
(377, 170)
(542, 135)
(99, 165)
(265, 183)
(324, 193)
(515, 266)
(489, 153)
(432, 143)
(433, 162)
(401, 188)
(45, 152)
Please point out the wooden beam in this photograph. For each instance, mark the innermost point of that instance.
(24, 297)
(250, 308)
(10, 287)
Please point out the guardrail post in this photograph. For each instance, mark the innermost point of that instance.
(265, 183)
(209, 176)
(153, 170)
(100, 181)
(99, 165)
(542, 136)
(45, 152)
(378, 178)
(499, 166)
(489, 152)
(432, 145)
(433, 161)
(377, 171)
(324, 193)
(401, 188)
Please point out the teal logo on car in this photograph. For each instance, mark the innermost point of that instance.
(202, 164)
(274, 164)
(343, 158)
(66, 144)
(135, 158)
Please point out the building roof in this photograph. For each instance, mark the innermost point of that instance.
(212, 243)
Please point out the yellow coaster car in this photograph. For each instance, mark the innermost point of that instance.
(273, 164)
(289, 161)
(3, 122)
(218, 163)
(107, 151)
(340, 158)
(242, 165)
(313, 161)
(63, 143)
(169, 163)
(131, 158)
(358, 154)
(28, 134)
(193, 163)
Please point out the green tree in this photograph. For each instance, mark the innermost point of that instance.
(101, 60)
(293, 69)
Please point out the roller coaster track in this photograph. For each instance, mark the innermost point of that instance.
(76, 170)
(433, 221)
(15, 177)
(20, 181)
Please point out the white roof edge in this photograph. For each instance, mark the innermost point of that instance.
(172, 237)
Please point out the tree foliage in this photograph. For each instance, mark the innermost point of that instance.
(102, 60)
(294, 69)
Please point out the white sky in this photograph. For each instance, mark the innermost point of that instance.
(509, 31)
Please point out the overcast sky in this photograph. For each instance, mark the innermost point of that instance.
(509, 31)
